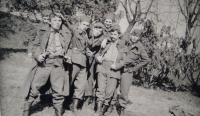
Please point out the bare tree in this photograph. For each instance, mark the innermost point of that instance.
(135, 14)
(190, 9)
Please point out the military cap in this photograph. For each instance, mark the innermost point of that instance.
(85, 18)
(136, 32)
(98, 24)
(109, 16)
(116, 27)
(46, 12)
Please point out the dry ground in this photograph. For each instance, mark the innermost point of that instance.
(13, 71)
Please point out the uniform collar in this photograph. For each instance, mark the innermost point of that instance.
(63, 28)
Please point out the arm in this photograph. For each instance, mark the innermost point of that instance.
(144, 59)
(36, 47)
(122, 61)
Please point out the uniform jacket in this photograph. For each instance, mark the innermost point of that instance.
(39, 47)
(134, 58)
(78, 46)
(120, 47)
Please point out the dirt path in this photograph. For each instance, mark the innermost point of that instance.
(13, 71)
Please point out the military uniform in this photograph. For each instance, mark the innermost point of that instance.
(108, 78)
(78, 56)
(78, 47)
(94, 46)
(56, 44)
(136, 57)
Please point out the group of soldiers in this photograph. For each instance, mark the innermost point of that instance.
(86, 60)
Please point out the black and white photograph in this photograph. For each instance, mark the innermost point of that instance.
(99, 57)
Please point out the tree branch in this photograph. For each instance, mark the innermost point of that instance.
(130, 3)
(193, 12)
(126, 10)
(136, 7)
(180, 8)
(195, 18)
(148, 9)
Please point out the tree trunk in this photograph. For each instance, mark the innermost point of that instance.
(130, 27)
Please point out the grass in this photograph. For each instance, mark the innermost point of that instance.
(13, 71)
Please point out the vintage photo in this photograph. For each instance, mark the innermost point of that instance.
(99, 58)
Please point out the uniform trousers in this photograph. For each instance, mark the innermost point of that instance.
(57, 79)
(89, 89)
(79, 79)
(125, 84)
(106, 84)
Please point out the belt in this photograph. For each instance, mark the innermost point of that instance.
(55, 56)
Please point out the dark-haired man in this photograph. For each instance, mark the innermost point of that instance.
(50, 48)
(136, 57)
(94, 45)
(78, 47)
(107, 77)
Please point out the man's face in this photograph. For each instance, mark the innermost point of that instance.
(56, 22)
(108, 23)
(114, 35)
(97, 31)
(134, 38)
(46, 19)
(84, 25)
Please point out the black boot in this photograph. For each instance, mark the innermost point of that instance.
(99, 106)
(103, 110)
(75, 106)
(122, 111)
(110, 110)
(26, 111)
(87, 101)
(58, 110)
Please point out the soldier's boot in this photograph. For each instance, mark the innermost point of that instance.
(26, 111)
(75, 106)
(122, 111)
(92, 103)
(110, 110)
(103, 110)
(99, 106)
(58, 110)
(87, 101)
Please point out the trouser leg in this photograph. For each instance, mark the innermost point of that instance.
(101, 90)
(110, 89)
(125, 84)
(114, 98)
(40, 79)
(75, 71)
(57, 83)
(79, 83)
(91, 78)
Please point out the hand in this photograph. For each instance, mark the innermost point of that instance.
(41, 58)
(67, 59)
(59, 14)
(113, 66)
(103, 43)
(99, 59)
(90, 53)
(30, 55)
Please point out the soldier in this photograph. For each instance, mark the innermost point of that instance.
(94, 46)
(45, 18)
(108, 21)
(107, 77)
(51, 45)
(78, 58)
(136, 57)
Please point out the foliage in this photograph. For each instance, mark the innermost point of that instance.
(170, 68)
(6, 28)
